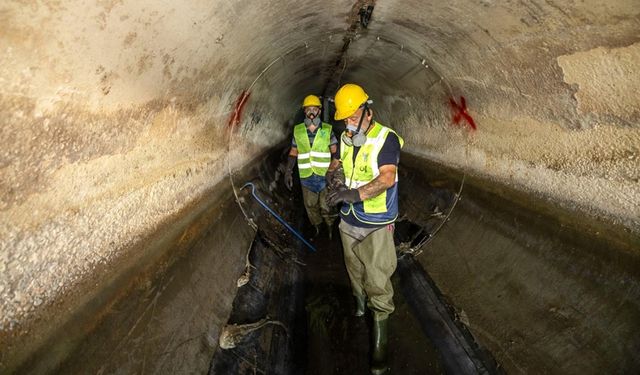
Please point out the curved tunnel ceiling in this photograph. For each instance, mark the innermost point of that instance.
(120, 111)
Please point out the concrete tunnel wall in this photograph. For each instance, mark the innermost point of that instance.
(118, 115)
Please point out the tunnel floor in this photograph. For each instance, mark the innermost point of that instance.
(326, 338)
(309, 293)
(339, 342)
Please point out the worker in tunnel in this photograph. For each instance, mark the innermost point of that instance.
(314, 146)
(369, 157)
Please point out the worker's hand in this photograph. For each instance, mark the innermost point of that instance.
(288, 171)
(335, 179)
(329, 176)
(329, 180)
(288, 179)
(343, 195)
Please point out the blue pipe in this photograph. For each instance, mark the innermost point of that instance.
(269, 210)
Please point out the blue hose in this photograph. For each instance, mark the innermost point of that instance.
(269, 210)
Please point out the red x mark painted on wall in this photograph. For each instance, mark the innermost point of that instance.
(459, 112)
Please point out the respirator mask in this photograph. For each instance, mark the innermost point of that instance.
(358, 137)
(311, 116)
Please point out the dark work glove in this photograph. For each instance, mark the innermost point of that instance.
(288, 179)
(343, 195)
(329, 178)
(288, 173)
(335, 179)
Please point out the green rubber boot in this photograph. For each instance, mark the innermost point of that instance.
(316, 230)
(329, 225)
(379, 363)
(361, 302)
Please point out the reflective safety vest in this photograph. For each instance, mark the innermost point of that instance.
(313, 158)
(383, 208)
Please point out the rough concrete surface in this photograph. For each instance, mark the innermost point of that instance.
(607, 80)
(116, 115)
(541, 293)
(170, 322)
(540, 302)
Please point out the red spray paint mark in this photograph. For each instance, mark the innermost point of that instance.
(460, 112)
(236, 116)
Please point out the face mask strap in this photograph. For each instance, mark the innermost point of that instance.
(364, 113)
(358, 139)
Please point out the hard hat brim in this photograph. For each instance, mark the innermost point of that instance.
(341, 115)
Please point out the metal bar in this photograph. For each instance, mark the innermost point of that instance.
(269, 210)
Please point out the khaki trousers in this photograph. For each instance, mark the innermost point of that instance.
(317, 207)
(370, 264)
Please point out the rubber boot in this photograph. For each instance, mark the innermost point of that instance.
(360, 305)
(379, 363)
(317, 230)
(330, 230)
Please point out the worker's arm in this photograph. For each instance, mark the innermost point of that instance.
(388, 160)
(334, 151)
(293, 157)
(288, 171)
(333, 177)
(335, 158)
(384, 181)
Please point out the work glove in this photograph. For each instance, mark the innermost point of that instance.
(288, 173)
(343, 195)
(335, 179)
(288, 179)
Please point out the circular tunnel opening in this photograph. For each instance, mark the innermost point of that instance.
(417, 91)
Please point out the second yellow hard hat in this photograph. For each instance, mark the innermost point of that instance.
(311, 101)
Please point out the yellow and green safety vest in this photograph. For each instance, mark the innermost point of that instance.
(313, 158)
(383, 208)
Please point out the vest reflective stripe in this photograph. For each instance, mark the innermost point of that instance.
(383, 208)
(321, 154)
(313, 158)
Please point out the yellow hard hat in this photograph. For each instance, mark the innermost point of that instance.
(311, 101)
(348, 99)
